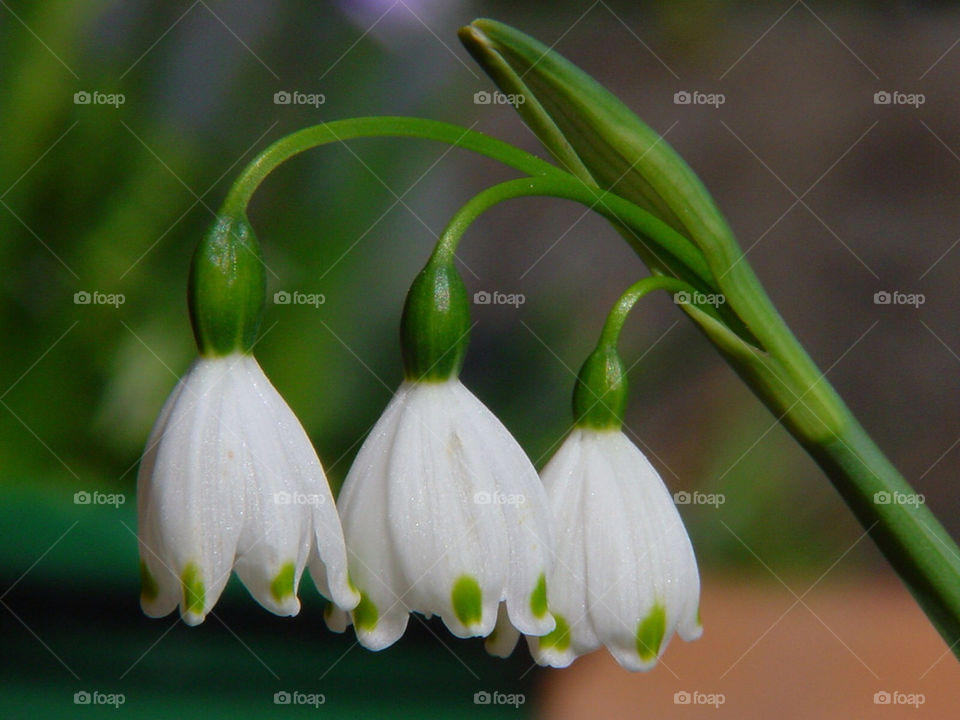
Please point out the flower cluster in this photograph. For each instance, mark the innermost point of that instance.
(442, 513)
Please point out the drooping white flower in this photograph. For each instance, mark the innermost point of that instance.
(444, 514)
(229, 480)
(624, 574)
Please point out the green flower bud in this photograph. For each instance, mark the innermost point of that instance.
(435, 327)
(227, 288)
(600, 395)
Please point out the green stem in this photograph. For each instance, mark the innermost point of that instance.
(904, 529)
(678, 254)
(665, 251)
(343, 130)
(610, 335)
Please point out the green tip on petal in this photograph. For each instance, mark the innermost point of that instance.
(435, 326)
(650, 633)
(148, 585)
(193, 590)
(282, 585)
(365, 614)
(538, 599)
(559, 637)
(467, 600)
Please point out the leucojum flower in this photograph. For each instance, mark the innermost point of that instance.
(229, 479)
(624, 574)
(442, 511)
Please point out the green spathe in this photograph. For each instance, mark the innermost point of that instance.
(591, 132)
(435, 327)
(227, 288)
(600, 394)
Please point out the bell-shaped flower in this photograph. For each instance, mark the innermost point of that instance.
(442, 511)
(624, 573)
(229, 479)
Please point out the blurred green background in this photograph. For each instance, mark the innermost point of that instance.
(97, 198)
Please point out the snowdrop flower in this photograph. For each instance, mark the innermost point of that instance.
(624, 575)
(442, 511)
(229, 479)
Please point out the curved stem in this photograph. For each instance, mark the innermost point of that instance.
(668, 253)
(617, 316)
(343, 130)
(678, 255)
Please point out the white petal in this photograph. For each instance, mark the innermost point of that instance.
(452, 548)
(521, 500)
(278, 466)
(642, 574)
(190, 498)
(503, 639)
(381, 616)
(161, 591)
(566, 584)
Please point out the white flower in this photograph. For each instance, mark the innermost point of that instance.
(624, 574)
(444, 514)
(229, 480)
